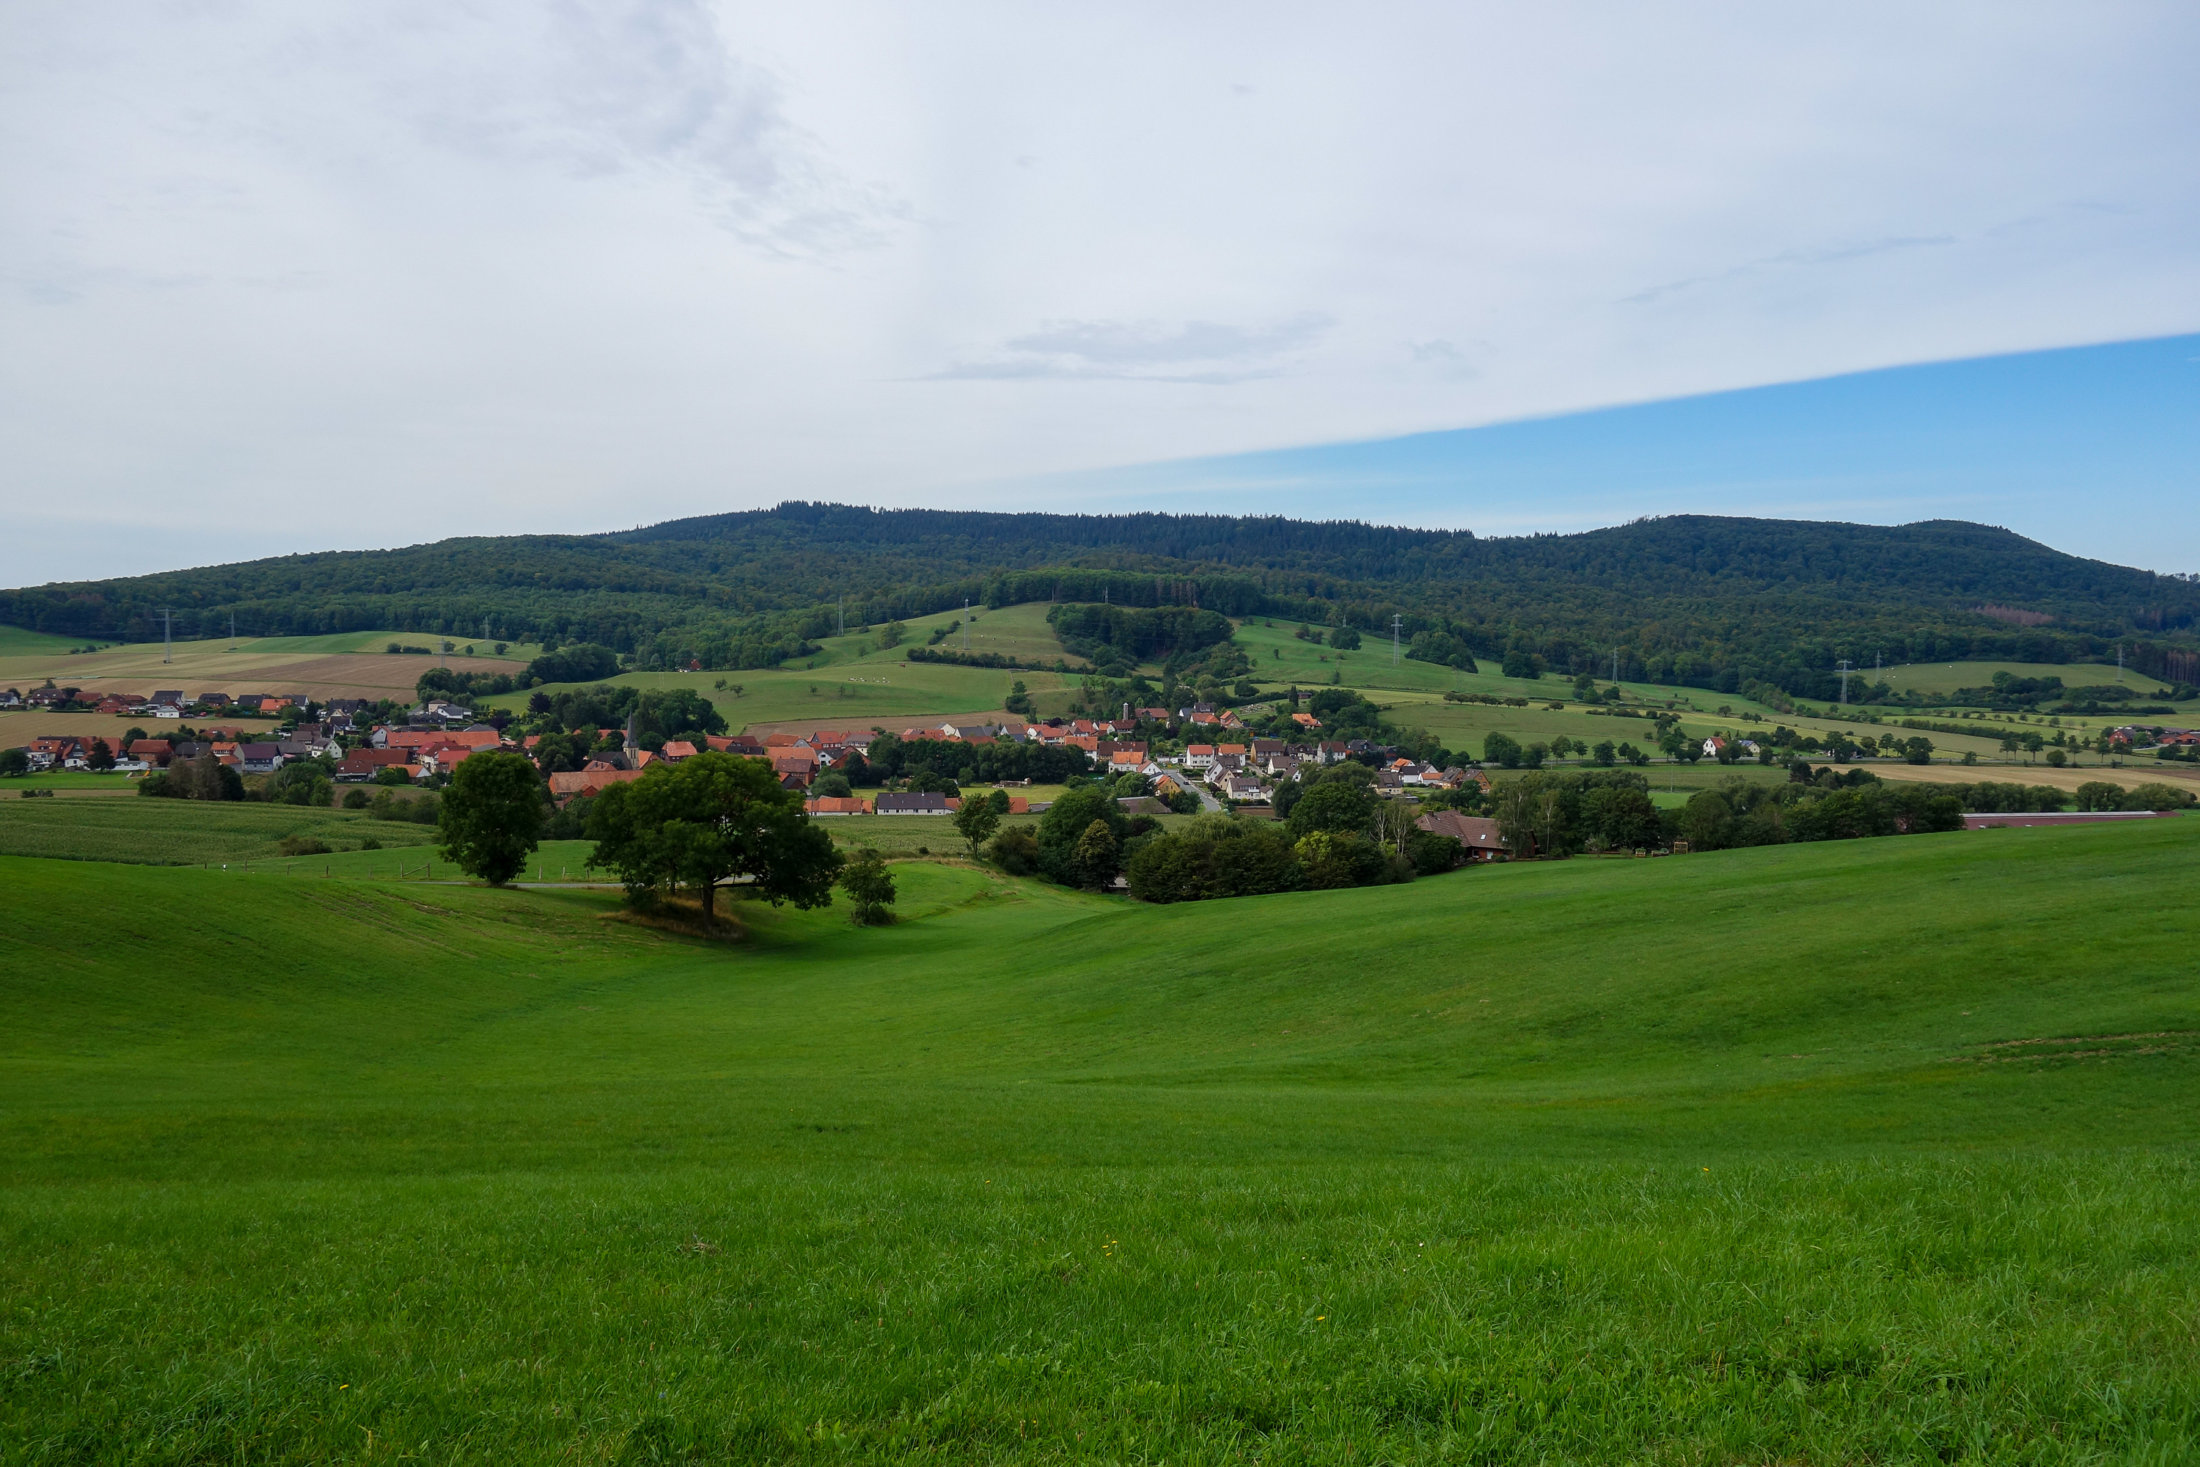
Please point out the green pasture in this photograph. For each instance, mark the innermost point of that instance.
(71, 781)
(1019, 632)
(415, 860)
(23, 642)
(1831, 1153)
(1946, 677)
(859, 691)
(182, 832)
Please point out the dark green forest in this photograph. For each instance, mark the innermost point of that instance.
(1706, 601)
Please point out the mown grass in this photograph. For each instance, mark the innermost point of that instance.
(1742, 1157)
(181, 832)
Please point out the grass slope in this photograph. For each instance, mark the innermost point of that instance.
(181, 832)
(23, 642)
(1869, 1151)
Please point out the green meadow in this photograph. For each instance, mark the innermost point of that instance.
(1871, 1151)
(853, 681)
(23, 642)
(181, 832)
(1945, 677)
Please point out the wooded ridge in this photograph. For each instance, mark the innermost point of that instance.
(1688, 598)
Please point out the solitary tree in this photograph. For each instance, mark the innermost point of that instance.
(1097, 855)
(705, 820)
(870, 888)
(976, 819)
(492, 816)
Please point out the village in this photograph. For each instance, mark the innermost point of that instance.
(1196, 757)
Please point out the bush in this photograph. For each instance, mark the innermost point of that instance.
(355, 799)
(870, 888)
(302, 845)
(2158, 797)
(1016, 851)
(1215, 856)
(2099, 794)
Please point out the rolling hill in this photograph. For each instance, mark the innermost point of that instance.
(1714, 602)
(1870, 1151)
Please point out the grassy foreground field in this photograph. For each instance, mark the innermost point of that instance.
(1871, 1151)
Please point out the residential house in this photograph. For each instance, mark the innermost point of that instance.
(53, 751)
(1712, 746)
(1242, 787)
(837, 805)
(309, 746)
(1477, 834)
(362, 764)
(589, 782)
(443, 758)
(11, 697)
(913, 804)
(1306, 720)
(260, 758)
(169, 698)
(154, 752)
(672, 753)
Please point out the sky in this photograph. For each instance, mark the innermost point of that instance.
(278, 277)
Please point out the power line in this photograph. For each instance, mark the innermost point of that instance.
(1844, 669)
(1396, 622)
(167, 635)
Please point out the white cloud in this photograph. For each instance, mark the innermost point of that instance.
(496, 264)
(1206, 352)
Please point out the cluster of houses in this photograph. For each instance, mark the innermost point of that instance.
(167, 703)
(238, 750)
(2137, 735)
(440, 736)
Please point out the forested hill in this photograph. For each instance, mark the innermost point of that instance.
(1694, 598)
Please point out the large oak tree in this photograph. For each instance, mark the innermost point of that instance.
(713, 818)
